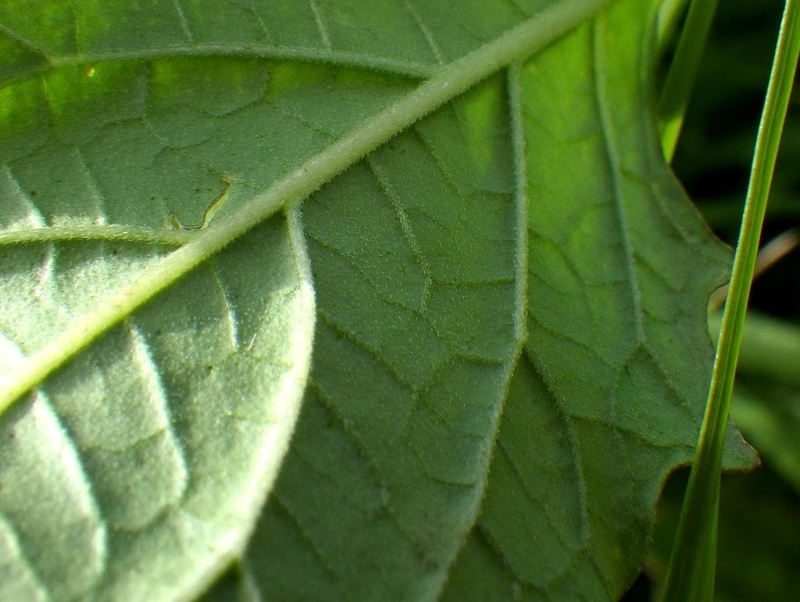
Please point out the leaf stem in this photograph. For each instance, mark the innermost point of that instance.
(514, 45)
(690, 577)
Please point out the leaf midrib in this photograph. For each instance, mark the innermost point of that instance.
(457, 77)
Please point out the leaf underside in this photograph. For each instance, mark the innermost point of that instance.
(509, 345)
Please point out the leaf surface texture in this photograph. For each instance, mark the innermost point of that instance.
(505, 301)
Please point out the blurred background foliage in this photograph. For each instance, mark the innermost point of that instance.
(759, 528)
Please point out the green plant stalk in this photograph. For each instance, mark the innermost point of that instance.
(514, 45)
(690, 575)
(683, 73)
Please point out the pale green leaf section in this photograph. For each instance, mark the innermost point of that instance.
(149, 453)
(136, 471)
(533, 202)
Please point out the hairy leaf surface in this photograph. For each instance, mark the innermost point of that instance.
(509, 350)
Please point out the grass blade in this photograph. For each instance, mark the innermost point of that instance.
(683, 72)
(690, 576)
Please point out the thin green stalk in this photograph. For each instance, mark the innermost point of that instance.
(683, 73)
(690, 576)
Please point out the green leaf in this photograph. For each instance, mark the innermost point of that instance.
(135, 471)
(528, 226)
